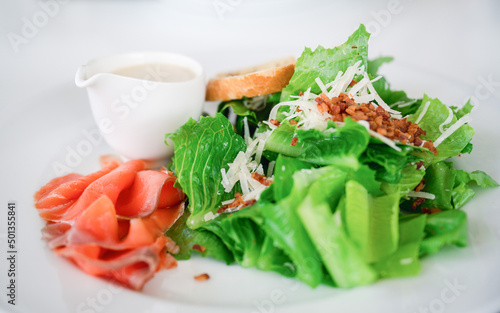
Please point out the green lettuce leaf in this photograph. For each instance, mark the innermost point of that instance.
(371, 222)
(246, 235)
(410, 178)
(283, 171)
(274, 259)
(451, 186)
(284, 226)
(480, 178)
(397, 100)
(439, 180)
(375, 64)
(202, 149)
(388, 162)
(254, 117)
(466, 109)
(186, 237)
(436, 114)
(405, 262)
(462, 192)
(444, 228)
(340, 256)
(341, 146)
(326, 63)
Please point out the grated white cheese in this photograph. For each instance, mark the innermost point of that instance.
(246, 131)
(321, 85)
(447, 121)
(422, 114)
(241, 169)
(453, 128)
(402, 104)
(421, 194)
(227, 201)
(210, 216)
(257, 103)
(270, 169)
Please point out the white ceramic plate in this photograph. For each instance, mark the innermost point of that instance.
(54, 128)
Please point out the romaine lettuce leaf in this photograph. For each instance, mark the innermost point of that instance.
(410, 178)
(397, 100)
(480, 178)
(326, 63)
(284, 226)
(439, 181)
(462, 192)
(186, 237)
(283, 171)
(274, 259)
(375, 64)
(447, 227)
(405, 262)
(386, 161)
(339, 254)
(202, 149)
(254, 117)
(341, 146)
(451, 186)
(466, 109)
(436, 114)
(246, 234)
(371, 222)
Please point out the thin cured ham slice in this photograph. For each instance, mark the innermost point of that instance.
(112, 223)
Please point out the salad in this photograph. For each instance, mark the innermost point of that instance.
(335, 180)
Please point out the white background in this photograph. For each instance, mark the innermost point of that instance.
(447, 49)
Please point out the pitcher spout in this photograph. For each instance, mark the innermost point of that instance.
(82, 78)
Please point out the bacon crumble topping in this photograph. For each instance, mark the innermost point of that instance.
(202, 277)
(378, 118)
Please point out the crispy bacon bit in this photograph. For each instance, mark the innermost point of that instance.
(354, 47)
(294, 141)
(261, 179)
(293, 122)
(429, 145)
(238, 201)
(274, 122)
(420, 185)
(378, 118)
(199, 248)
(352, 83)
(351, 110)
(430, 211)
(417, 202)
(420, 164)
(202, 277)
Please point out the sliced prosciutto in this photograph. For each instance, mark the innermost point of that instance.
(112, 223)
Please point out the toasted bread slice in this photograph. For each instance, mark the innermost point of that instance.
(255, 81)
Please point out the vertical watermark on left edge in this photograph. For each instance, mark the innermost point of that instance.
(11, 252)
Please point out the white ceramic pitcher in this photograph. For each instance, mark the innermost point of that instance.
(132, 114)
